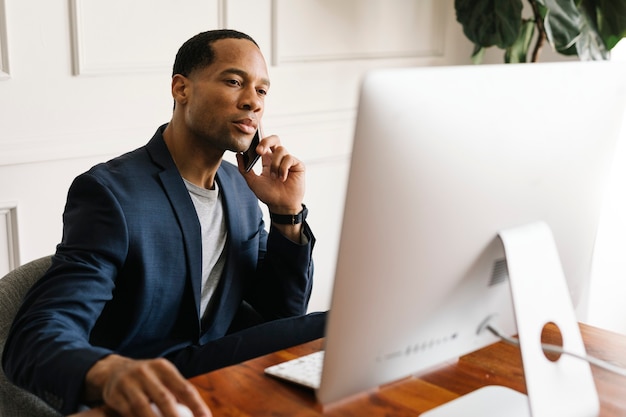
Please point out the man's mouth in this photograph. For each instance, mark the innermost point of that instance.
(247, 126)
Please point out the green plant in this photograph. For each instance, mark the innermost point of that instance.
(586, 28)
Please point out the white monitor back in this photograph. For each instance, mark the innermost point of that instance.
(444, 158)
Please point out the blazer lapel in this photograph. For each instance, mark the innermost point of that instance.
(183, 207)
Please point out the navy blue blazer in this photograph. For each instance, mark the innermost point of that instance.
(126, 276)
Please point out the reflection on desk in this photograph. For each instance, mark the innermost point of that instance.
(244, 389)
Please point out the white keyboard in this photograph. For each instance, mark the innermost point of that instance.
(305, 370)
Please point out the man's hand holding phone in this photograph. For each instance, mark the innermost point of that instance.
(281, 182)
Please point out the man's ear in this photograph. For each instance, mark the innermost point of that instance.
(180, 84)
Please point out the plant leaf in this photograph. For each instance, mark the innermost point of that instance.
(490, 22)
(478, 54)
(562, 23)
(610, 19)
(518, 52)
(590, 45)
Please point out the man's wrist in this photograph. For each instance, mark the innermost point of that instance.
(97, 376)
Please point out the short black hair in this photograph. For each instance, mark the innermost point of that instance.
(197, 52)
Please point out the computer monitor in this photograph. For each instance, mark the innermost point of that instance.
(444, 158)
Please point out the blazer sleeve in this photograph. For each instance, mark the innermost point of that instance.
(49, 340)
(276, 274)
(285, 276)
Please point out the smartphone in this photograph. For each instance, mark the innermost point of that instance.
(250, 156)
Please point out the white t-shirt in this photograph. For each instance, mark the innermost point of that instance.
(208, 204)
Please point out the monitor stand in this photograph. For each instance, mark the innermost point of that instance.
(540, 296)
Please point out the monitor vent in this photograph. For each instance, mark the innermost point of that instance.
(500, 272)
(427, 345)
(418, 348)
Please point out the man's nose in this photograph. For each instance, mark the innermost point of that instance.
(250, 100)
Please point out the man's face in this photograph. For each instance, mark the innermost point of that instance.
(225, 101)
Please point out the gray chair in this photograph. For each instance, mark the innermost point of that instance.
(14, 401)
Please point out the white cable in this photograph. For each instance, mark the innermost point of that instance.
(557, 349)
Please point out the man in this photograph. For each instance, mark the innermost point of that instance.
(165, 256)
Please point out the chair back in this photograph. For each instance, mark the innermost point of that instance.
(14, 401)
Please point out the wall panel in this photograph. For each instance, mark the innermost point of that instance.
(328, 30)
(252, 17)
(4, 51)
(91, 80)
(118, 36)
(321, 48)
(9, 256)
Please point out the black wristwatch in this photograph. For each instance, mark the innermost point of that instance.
(291, 219)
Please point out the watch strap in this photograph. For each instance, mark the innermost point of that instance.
(291, 219)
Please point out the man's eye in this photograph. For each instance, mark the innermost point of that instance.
(262, 92)
(233, 82)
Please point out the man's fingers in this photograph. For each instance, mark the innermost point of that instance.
(190, 397)
(282, 163)
(140, 384)
(268, 143)
(178, 390)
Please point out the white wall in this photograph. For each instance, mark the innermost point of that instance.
(82, 81)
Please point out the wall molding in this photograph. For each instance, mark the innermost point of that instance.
(71, 145)
(316, 137)
(111, 142)
(89, 54)
(222, 14)
(4, 48)
(9, 244)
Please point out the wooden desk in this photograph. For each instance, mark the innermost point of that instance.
(243, 390)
